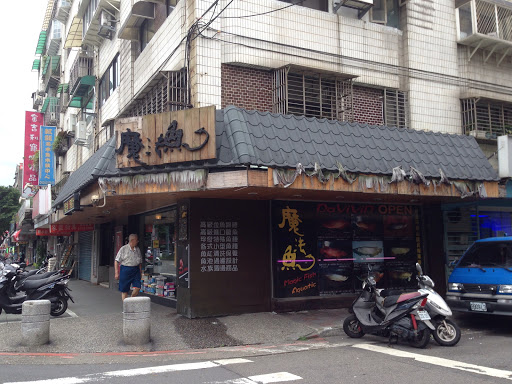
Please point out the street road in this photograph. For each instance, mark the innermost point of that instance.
(482, 356)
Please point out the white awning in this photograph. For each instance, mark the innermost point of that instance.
(74, 37)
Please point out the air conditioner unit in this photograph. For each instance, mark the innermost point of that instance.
(107, 28)
(38, 100)
(53, 116)
(81, 132)
(505, 156)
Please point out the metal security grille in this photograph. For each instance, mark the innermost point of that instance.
(494, 20)
(85, 255)
(486, 119)
(312, 95)
(396, 108)
(169, 94)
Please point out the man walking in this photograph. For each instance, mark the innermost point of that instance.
(128, 267)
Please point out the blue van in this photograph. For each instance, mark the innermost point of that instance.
(482, 279)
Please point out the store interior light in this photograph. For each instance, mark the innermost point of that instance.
(158, 216)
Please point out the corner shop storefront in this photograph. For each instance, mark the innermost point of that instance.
(244, 242)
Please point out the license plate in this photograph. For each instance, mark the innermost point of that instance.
(423, 315)
(480, 307)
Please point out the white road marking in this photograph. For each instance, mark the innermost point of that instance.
(481, 370)
(277, 377)
(137, 372)
(274, 377)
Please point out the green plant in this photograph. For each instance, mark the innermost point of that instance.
(40, 254)
(59, 143)
(35, 161)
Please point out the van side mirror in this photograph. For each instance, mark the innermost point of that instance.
(453, 263)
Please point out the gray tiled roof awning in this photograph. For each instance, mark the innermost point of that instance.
(94, 167)
(283, 141)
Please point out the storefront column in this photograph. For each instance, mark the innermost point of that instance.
(434, 246)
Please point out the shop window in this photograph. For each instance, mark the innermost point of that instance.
(160, 253)
(324, 249)
(494, 224)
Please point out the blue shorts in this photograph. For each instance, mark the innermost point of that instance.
(129, 276)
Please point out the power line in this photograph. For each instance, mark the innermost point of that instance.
(263, 13)
(397, 69)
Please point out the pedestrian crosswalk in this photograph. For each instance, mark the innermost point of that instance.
(139, 373)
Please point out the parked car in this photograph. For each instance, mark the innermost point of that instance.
(482, 279)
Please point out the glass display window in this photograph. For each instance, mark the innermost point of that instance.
(160, 253)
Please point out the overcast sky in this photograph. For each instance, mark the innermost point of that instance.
(19, 31)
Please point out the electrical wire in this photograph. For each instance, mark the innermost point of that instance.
(382, 67)
(263, 13)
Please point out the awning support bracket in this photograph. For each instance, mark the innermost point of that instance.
(474, 50)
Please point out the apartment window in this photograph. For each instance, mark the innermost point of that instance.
(146, 32)
(170, 94)
(312, 94)
(170, 5)
(88, 15)
(386, 12)
(321, 5)
(486, 119)
(396, 108)
(109, 81)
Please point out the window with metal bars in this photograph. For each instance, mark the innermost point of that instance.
(486, 119)
(312, 95)
(170, 94)
(396, 108)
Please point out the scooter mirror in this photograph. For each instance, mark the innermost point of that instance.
(418, 268)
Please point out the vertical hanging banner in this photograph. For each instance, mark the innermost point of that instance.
(47, 156)
(33, 120)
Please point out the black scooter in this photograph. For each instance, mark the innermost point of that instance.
(53, 288)
(389, 313)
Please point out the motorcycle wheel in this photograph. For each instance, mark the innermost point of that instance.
(447, 333)
(59, 307)
(352, 327)
(421, 340)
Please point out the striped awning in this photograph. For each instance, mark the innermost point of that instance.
(41, 43)
(36, 64)
(74, 37)
(63, 88)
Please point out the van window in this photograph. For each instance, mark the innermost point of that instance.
(486, 255)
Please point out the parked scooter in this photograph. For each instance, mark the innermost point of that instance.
(389, 313)
(446, 332)
(53, 288)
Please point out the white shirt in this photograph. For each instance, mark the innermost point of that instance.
(128, 256)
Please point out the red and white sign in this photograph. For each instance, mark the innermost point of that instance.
(71, 227)
(33, 120)
(46, 232)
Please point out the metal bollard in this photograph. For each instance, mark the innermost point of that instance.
(136, 320)
(35, 322)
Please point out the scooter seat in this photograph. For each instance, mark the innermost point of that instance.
(40, 276)
(34, 284)
(395, 299)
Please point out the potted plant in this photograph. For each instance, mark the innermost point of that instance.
(60, 144)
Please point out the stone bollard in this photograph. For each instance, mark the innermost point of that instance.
(136, 320)
(35, 322)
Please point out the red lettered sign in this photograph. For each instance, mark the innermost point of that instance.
(33, 120)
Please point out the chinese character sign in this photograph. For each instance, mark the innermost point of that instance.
(47, 156)
(33, 120)
(219, 246)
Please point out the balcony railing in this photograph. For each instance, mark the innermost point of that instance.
(51, 72)
(82, 71)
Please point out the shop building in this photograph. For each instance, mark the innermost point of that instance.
(244, 212)
(106, 66)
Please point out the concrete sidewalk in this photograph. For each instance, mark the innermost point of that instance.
(94, 323)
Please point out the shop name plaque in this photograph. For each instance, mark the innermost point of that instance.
(169, 137)
(219, 246)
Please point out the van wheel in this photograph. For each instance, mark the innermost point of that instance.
(352, 327)
(447, 333)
